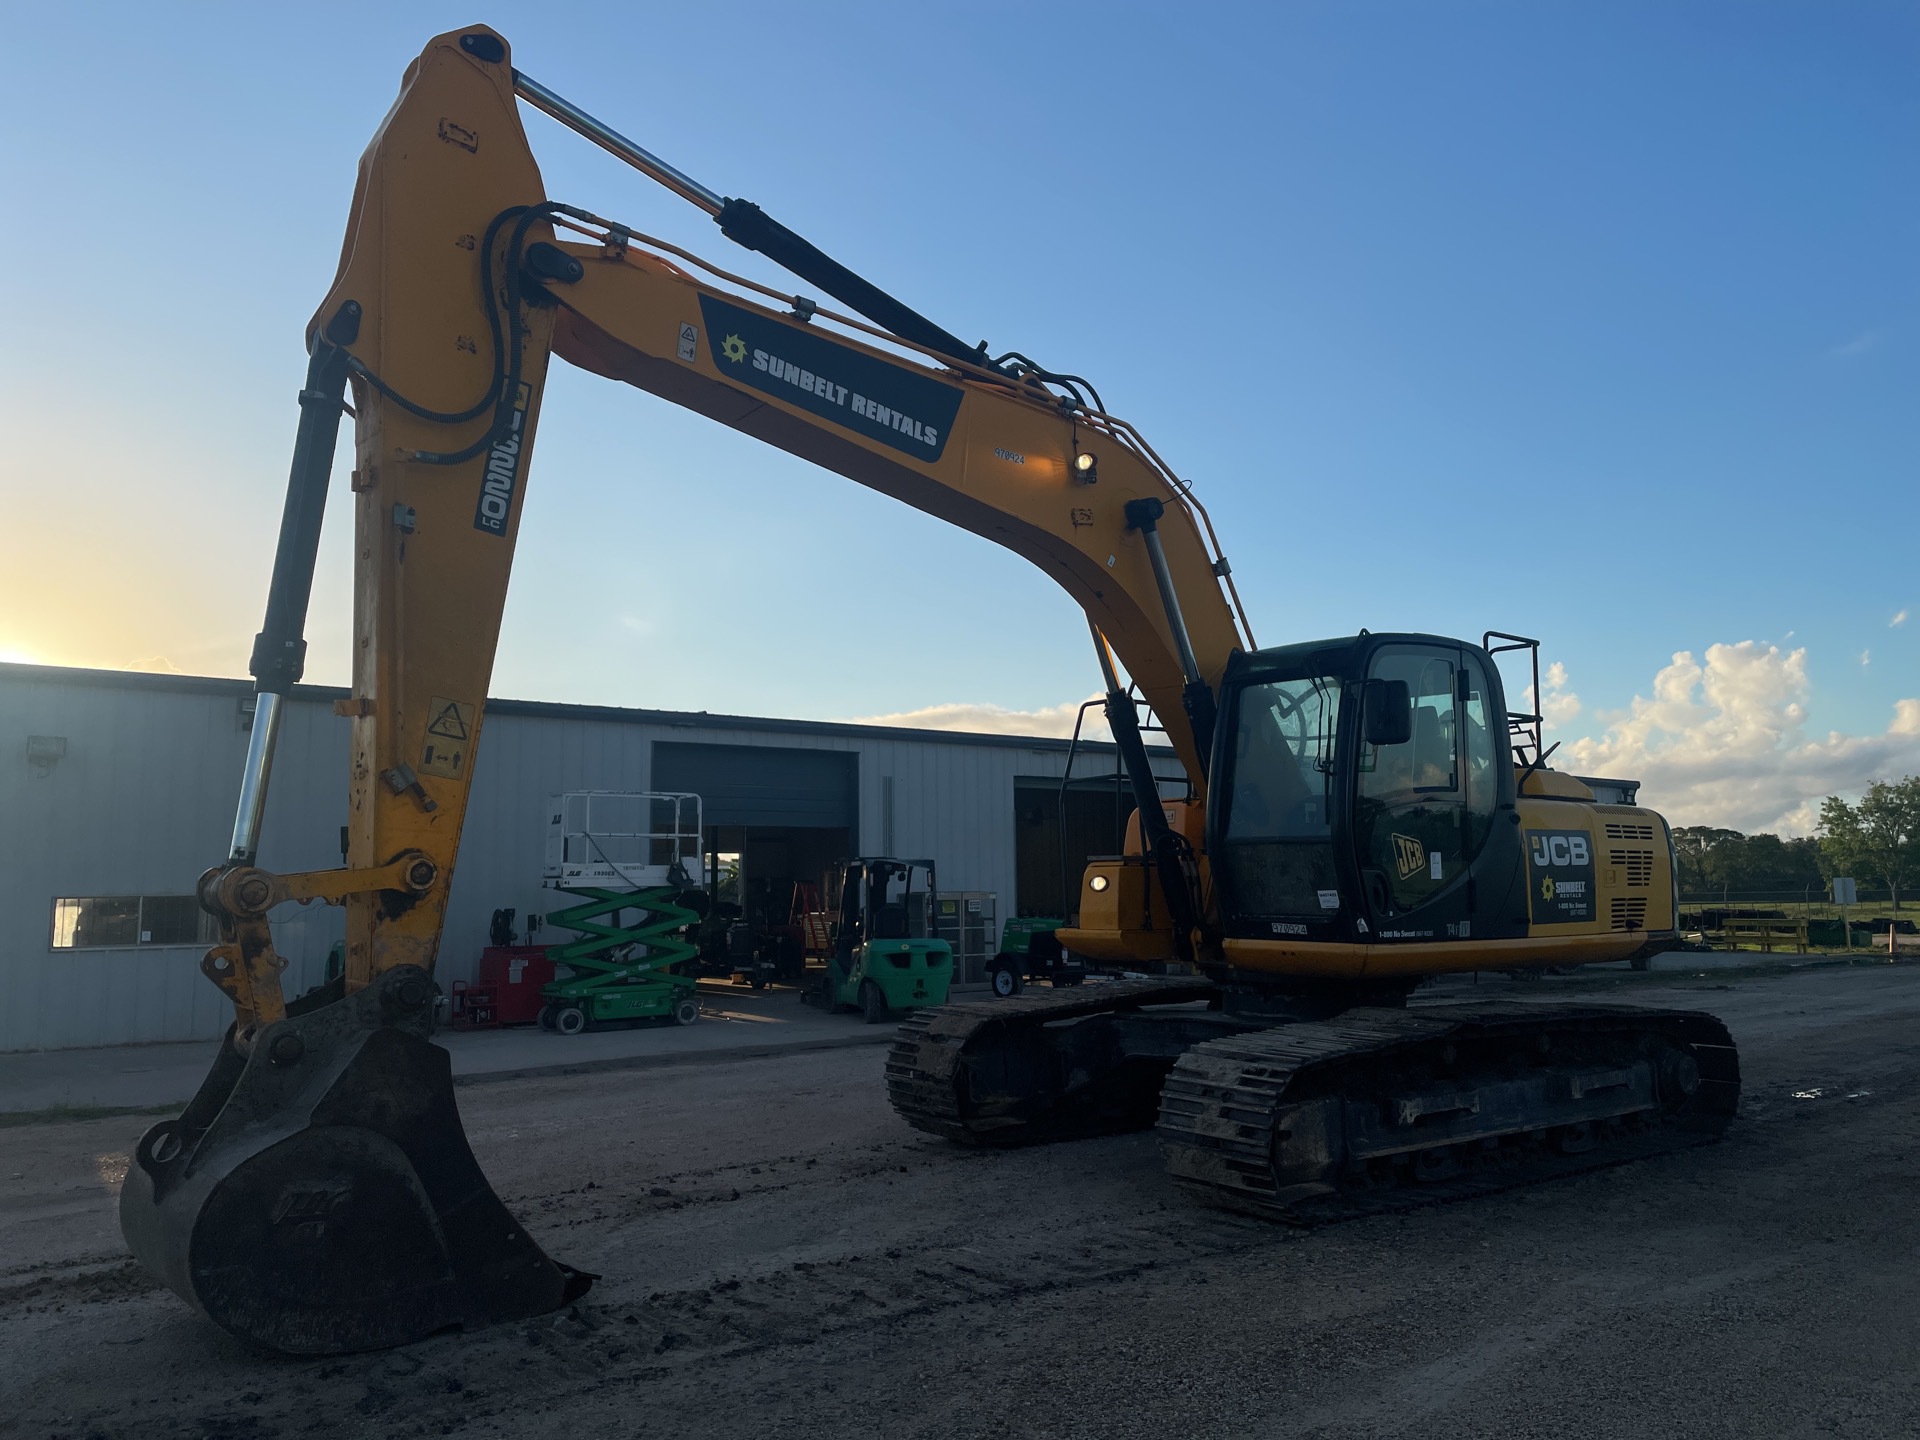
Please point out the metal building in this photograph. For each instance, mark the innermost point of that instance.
(118, 788)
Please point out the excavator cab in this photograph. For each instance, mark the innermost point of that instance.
(1364, 792)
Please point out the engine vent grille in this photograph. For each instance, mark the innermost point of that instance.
(1629, 912)
(1637, 863)
(1628, 830)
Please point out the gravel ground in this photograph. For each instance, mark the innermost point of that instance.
(781, 1257)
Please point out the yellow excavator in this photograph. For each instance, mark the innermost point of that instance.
(1363, 812)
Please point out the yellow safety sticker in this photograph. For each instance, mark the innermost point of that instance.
(449, 733)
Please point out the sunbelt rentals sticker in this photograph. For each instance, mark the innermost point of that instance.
(1560, 869)
(908, 412)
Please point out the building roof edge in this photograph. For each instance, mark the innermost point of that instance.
(556, 709)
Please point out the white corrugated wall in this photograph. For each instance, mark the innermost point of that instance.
(143, 801)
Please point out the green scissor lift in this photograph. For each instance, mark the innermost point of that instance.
(629, 858)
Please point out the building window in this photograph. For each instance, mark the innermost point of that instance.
(110, 922)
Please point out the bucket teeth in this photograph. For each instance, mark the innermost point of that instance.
(319, 1195)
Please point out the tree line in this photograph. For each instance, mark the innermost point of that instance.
(1720, 862)
(1876, 842)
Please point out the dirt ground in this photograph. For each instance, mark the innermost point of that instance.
(782, 1257)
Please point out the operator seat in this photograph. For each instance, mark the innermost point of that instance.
(890, 922)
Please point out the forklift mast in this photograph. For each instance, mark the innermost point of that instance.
(881, 898)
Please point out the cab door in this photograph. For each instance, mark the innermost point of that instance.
(1424, 809)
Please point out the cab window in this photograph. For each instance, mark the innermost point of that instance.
(1279, 826)
(1283, 760)
(1479, 767)
(1410, 797)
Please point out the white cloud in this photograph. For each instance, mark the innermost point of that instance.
(156, 664)
(1050, 721)
(1897, 621)
(1857, 346)
(1561, 705)
(1726, 743)
(1866, 658)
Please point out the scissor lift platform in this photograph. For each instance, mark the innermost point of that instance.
(630, 857)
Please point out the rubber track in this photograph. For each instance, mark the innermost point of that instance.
(924, 1071)
(1219, 1103)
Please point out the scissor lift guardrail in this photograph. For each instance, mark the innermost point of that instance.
(622, 852)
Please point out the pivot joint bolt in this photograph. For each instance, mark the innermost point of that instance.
(287, 1048)
(411, 993)
(420, 874)
(482, 46)
(254, 892)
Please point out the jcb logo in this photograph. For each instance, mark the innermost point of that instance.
(312, 1205)
(1561, 849)
(1409, 856)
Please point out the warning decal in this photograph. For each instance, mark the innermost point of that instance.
(449, 732)
(451, 719)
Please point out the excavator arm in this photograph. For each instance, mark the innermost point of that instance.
(318, 1194)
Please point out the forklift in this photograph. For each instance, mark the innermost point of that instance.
(885, 958)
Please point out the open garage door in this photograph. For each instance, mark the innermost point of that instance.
(777, 818)
(1048, 861)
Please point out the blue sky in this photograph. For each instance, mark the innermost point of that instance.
(1597, 323)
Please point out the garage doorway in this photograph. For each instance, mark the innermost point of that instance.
(776, 817)
(1049, 855)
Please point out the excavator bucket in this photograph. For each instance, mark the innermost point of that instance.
(318, 1195)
